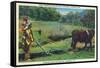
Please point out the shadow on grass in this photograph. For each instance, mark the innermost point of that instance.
(42, 54)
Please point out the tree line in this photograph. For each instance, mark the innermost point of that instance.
(39, 13)
(85, 18)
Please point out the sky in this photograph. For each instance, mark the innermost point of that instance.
(66, 10)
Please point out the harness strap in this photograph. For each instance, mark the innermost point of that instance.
(87, 32)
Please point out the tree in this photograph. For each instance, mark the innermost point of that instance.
(71, 17)
(88, 18)
(39, 13)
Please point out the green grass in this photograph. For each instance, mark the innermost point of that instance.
(67, 56)
(64, 44)
(50, 28)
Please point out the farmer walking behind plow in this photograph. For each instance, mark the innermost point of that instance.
(27, 37)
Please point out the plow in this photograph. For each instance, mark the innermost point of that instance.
(39, 45)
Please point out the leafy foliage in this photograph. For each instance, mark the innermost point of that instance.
(39, 13)
(71, 17)
(85, 18)
(88, 18)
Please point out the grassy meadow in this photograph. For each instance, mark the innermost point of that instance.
(54, 28)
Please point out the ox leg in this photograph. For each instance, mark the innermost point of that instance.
(90, 46)
(73, 45)
(85, 48)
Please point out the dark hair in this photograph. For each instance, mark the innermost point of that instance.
(25, 18)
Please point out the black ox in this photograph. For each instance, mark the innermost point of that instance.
(84, 36)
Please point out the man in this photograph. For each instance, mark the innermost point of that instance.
(27, 37)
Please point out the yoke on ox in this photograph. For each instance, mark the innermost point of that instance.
(82, 36)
